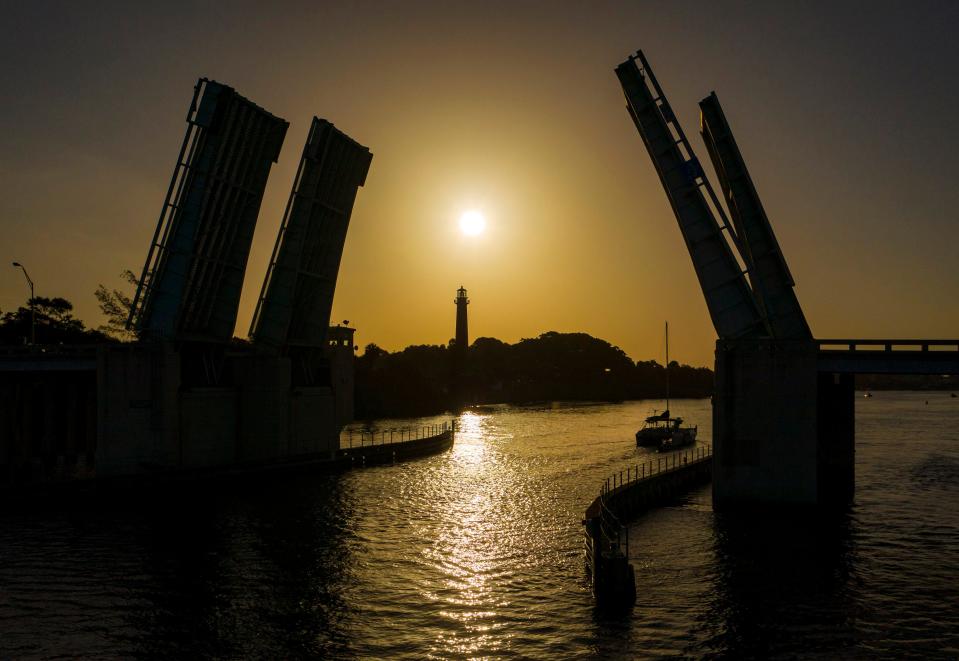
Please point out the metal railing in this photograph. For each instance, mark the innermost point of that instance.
(358, 439)
(614, 534)
(649, 469)
(888, 345)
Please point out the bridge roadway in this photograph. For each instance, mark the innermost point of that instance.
(888, 356)
(52, 358)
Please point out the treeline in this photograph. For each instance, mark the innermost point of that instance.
(45, 320)
(48, 321)
(552, 367)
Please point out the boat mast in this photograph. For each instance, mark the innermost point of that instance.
(667, 368)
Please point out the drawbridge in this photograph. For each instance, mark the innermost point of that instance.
(783, 409)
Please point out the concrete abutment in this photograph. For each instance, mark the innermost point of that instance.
(783, 432)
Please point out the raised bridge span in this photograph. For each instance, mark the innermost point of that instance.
(783, 410)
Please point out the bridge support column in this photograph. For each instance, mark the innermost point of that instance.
(782, 432)
(836, 430)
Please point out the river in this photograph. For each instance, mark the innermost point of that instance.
(478, 553)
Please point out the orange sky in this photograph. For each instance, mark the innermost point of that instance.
(847, 121)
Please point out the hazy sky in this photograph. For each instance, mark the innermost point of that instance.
(848, 117)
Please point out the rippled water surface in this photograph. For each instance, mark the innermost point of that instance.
(478, 553)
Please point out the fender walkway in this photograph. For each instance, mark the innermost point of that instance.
(624, 496)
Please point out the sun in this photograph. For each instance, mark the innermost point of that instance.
(472, 223)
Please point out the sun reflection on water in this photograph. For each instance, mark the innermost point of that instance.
(469, 446)
(470, 544)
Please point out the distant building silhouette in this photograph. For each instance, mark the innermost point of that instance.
(339, 354)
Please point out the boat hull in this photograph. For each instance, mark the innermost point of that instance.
(650, 438)
(680, 438)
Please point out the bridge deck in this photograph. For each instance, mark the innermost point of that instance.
(889, 356)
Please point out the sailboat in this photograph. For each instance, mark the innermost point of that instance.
(662, 431)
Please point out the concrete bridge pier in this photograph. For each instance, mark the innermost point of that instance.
(783, 433)
(836, 437)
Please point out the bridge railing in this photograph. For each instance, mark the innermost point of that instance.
(356, 439)
(887, 345)
(661, 464)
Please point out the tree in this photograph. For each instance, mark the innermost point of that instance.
(56, 310)
(55, 324)
(552, 367)
(372, 353)
(115, 306)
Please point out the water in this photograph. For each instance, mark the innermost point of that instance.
(478, 553)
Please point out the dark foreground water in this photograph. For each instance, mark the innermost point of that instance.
(478, 553)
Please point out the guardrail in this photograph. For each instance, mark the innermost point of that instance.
(391, 436)
(652, 468)
(888, 345)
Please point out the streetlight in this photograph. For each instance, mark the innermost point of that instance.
(33, 314)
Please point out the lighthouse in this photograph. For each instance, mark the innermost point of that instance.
(460, 347)
(462, 332)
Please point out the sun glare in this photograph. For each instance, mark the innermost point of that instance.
(472, 223)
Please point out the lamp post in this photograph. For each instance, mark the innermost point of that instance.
(33, 314)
